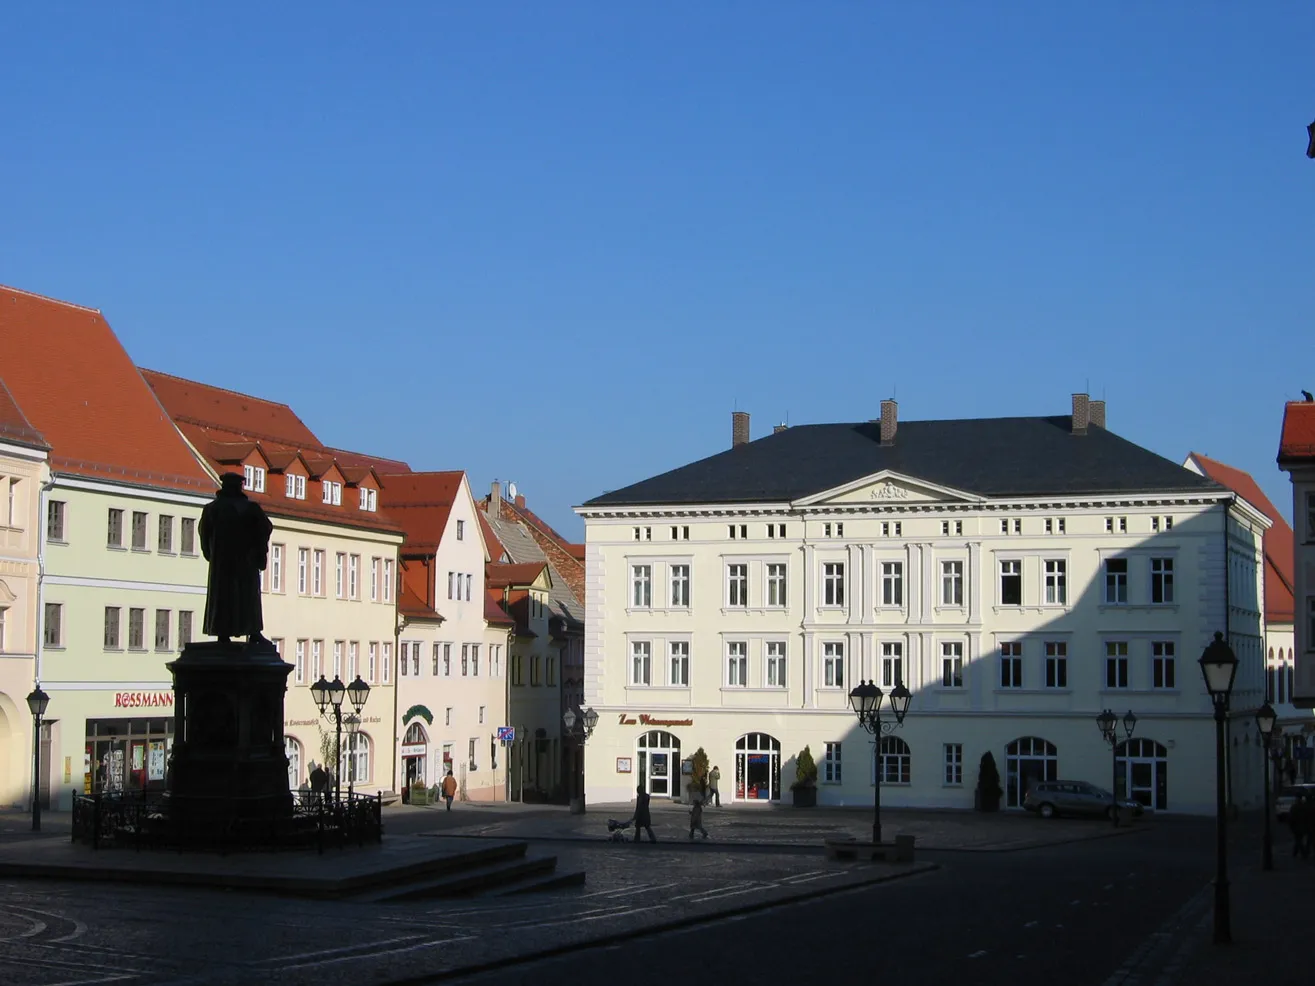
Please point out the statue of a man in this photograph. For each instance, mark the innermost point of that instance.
(235, 541)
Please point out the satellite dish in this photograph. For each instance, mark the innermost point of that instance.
(511, 490)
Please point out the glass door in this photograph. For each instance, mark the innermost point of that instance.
(659, 779)
(1142, 775)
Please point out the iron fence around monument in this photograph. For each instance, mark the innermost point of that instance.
(141, 820)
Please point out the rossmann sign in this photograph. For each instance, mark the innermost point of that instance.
(143, 700)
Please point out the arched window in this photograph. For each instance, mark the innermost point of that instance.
(292, 750)
(1028, 760)
(356, 759)
(415, 734)
(1141, 768)
(896, 760)
(757, 767)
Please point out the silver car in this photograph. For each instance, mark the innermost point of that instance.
(1051, 798)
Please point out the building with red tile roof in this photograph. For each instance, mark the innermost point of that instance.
(1296, 457)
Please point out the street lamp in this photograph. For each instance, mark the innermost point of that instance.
(1219, 667)
(353, 724)
(865, 700)
(1109, 728)
(586, 720)
(328, 696)
(36, 703)
(1265, 720)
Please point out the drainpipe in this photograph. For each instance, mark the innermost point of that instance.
(42, 530)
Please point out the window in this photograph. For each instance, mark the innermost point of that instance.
(680, 534)
(136, 629)
(163, 619)
(892, 664)
(184, 627)
(55, 520)
(138, 530)
(1056, 582)
(340, 574)
(517, 669)
(299, 665)
(332, 492)
(1017, 524)
(888, 527)
(952, 664)
(833, 583)
(354, 577)
(114, 529)
(951, 527)
(892, 583)
(303, 560)
(833, 530)
(354, 659)
(1162, 670)
(53, 632)
(386, 661)
(187, 536)
(1116, 580)
(1161, 580)
(164, 534)
(1116, 664)
(372, 661)
(294, 486)
(680, 586)
(534, 669)
(776, 584)
(337, 658)
(112, 627)
(369, 502)
(896, 760)
(551, 665)
(1011, 664)
(461, 530)
(317, 573)
(737, 664)
(471, 754)
(465, 660)
(737, 585)
(1011, 583)
(470, 582)
(641, 662)
(495, 660)
(1056, 664)
(474, 661)
(831, 764)
(276, 567)
(317, 659)
(1310, 517)
(951, 583)
(641, 586)
(679, 666)
(776, 530)
(357, 767)
(447, 660)
(776, 664)
(833, 665)
(253, 478)
(1054, 525)
(740, 531)
(452, 591)
(388, 580)
(953, 763)
(481, 715)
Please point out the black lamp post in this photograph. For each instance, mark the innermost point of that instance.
(328, 696)
(36, 703)
(353, 724)
(1219, 667)
(865, 700)
(586, 720)
(1265, 720)
(1109, 728)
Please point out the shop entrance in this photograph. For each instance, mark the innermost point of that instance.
(757, 768)
(1028, 760)
(1142, 769)
(658, 754)
(415, 754)
(124, 755)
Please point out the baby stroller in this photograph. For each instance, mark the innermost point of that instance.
(616, 830)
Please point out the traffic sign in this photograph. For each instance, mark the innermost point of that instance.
(507, 734)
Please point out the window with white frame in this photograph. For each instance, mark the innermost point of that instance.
(470, 583)
(136, 628)
(331, 492)
(892, 663)
(775, 663)
(294, 486)
(369, 501)
(354, 659)
(896, 760)
(388, 580)
(112, 632)
(317, 572)
(641, 586)
(831, 764)
(776, 531)
(892, 583)
(776, 584)
(833, 664)
(1162, 664)
(374, 580)
(1056, 582)
(1011, 664)
(951, 664)
(737, 585)
(833, 583)
(953, 764)
(357, 765)
(1116, 581)
(353, 576)
(737, 664)
(164, 534)
(138, 530)
(184, 627)
(949, 527)
(1056, 664)
(303, 563)
(474, 661)
(1116, 664)
(680, 533)
(951, 583)
(495, 660)
(1161, 580)
(163, 623)
(1011, 583)
(679, 586)
(114, 528)
(641, 662)
(678, 666)
(253, 478)
(737, 531)
(276, 568)
(55, 514)
(386, 661)
(337, 658)
(316, 659)
(465, 661)
(833, 530)
(187, 536)
(892, 528)
(299, 665)
(340, 574)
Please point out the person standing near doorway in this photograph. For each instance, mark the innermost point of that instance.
(449, 788)
(714, 779)
(643, 816)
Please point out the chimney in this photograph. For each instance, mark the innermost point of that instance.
(1097, 413)
(889, 422)
(520, 501)
(495, 500)
(1081, 414)
(739, 428)
(777, 429)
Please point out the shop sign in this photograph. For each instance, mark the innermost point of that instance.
(298, 722)
(141, 700)
(647, 720)
(413, 749)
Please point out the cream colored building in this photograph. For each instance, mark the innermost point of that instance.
(1019, 575)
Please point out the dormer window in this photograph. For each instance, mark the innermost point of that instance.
(253, 478)
(332, 493)
(296, 487)
(369, 499)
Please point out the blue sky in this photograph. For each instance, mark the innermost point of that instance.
(558, 243)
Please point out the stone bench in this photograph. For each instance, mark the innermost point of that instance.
(899, 851)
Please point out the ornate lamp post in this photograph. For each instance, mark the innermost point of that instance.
(328, 696)
(1265, 720)
(1219, 667)
(353, 724)
(1109, 728)
(36, 703)
(865, 700)
(586, 721)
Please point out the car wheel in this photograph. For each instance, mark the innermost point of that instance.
(1047, 811)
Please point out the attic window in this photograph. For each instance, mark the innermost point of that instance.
(332, 492)
(253, 478)
(369, 499)
(296, 487)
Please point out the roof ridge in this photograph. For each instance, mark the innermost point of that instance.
(46, 297)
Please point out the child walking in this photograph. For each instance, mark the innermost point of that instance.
(696, 819)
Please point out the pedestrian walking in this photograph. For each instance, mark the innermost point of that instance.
(714, 778)
(643, 818)
(449, 788)
(696, 819)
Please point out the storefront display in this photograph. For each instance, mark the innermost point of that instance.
(126, 755)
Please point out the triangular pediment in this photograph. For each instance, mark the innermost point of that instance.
(885, 488)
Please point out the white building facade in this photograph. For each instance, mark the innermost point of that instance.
(1297, 457)
(1018, 575)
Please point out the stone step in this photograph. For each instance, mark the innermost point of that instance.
(469, 881)
(534, 885)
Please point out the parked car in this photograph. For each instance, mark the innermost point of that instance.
(1287, 795)
(1051, 798)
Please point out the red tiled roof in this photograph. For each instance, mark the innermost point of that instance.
(558, 550)
(499, 576)
(495, 546)
(359, 460)
(493, 611)
(76, 385)
(421, 502)
(410, 604)
(577, 551)
(14, 426)
(1280, 565)
(242, 414)
(1298, 441)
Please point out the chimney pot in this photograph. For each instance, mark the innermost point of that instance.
(889, 422)
(495, 499)
(739, 428)
(1081, 414)
(777, 429)
(1096, 413)
(520, 501)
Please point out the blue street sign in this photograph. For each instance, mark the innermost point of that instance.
(507, 734)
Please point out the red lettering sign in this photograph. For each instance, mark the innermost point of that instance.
(141, 700)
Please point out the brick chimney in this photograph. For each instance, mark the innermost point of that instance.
(495, 499)
(889, 422)
(739, 428)
(520, 501)
(777, 429)
(1081, 414)
(1097, 413)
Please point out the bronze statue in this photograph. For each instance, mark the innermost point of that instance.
(235, 541)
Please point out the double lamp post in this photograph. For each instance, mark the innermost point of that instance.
(586, 721)
(328, 695)
(865, 700)
(1109, 728)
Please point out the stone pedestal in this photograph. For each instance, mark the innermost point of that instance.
(228, 779)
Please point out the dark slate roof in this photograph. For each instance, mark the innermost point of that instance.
(994, 457)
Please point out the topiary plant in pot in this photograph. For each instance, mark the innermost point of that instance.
(988, 784)
(804, 788)
(698, 781)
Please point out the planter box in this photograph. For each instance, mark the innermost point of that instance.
(804, 797)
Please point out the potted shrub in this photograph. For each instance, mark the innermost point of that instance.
(988, 784)
(698, 780)
(804, 788)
